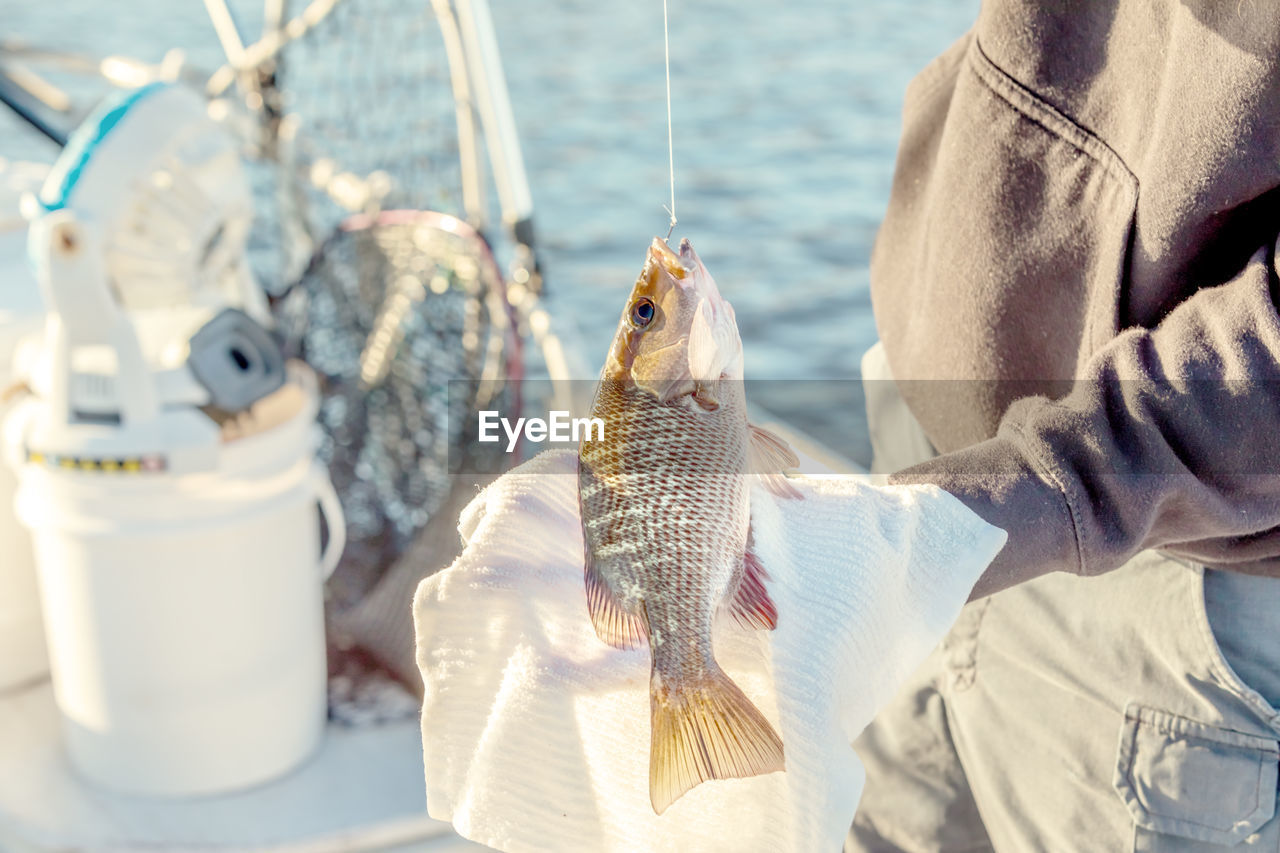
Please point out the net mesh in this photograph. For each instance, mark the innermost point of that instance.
(397, 303)
(357, 115)
(397, 318)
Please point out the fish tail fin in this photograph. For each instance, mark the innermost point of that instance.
(706, 730)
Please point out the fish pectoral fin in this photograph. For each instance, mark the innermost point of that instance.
(704, 354)
(706, 396)
(705, 729)
(751, 606)
(714, 350)
(769, 455)
(613, 625)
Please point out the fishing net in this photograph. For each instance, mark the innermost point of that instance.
(404, 317)
(356, 115)
(398, 303)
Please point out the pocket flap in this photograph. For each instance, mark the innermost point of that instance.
(1193, 780)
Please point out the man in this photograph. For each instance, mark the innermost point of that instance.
(1075, 289)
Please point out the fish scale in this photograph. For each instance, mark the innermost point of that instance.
(665, 502)
(652, 463)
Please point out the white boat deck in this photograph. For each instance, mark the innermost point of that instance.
(363, 790)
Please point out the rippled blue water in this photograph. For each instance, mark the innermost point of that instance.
(786, 121)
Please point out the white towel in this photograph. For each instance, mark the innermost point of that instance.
(536, 734)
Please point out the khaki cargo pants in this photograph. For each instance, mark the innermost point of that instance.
(1132, 711)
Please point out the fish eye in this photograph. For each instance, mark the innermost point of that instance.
(642, 312)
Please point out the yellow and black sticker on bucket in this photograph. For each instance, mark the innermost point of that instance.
(148, 464)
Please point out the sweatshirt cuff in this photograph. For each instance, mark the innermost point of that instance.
(1001, 482)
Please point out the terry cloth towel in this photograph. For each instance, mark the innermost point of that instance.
(536, 734)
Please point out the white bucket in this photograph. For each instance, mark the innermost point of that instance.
(22, 654)
(184, 614)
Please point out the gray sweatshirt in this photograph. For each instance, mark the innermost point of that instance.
(1075, 281)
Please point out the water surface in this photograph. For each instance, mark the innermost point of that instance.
(786, 117)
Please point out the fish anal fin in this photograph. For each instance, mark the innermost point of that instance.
(705, 729)
(752, 607)
(613, 625)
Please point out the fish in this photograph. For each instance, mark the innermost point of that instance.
(664, 494)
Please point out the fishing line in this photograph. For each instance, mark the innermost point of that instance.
(671, 151)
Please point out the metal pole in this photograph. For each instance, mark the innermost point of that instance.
(10, 98)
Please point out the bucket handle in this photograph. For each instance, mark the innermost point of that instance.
(335, 521)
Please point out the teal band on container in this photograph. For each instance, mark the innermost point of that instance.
(85, 139)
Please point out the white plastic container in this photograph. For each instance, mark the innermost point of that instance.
(22, 651)
(185, 612)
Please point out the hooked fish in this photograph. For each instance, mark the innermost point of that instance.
(665, 501)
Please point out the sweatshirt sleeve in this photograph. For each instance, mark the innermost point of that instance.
(1171, 440)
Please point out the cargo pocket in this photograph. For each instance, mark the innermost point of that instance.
(1195, 787)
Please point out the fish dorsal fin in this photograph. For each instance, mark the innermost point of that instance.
(613, 625)
(769, 455)
(752, 607)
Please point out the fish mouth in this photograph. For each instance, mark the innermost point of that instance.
(661, 256)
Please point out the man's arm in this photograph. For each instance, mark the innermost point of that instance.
(1171, 439)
